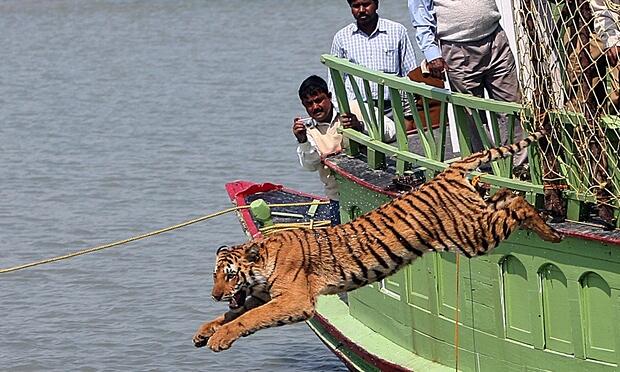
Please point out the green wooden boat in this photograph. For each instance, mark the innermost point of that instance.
(530, 305)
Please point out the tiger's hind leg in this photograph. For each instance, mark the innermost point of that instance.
(509, 211)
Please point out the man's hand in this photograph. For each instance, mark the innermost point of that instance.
(437, 67)
(612, 55)
(299, 130)
(350, 121)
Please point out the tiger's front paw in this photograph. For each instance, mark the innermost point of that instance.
(221, 340)
(200, 340)
(205, 332)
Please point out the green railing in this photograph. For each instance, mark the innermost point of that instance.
(433, 141)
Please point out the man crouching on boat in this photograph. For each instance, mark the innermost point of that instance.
(318, 135)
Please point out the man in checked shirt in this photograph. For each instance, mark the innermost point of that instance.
(378, 44)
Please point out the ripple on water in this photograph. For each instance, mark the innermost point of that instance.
(119, 118)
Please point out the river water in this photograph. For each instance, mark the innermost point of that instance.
(122, 117)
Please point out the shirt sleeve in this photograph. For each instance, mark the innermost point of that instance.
(336, 50)
(407, 55)
(606, 21)
(309, 156)
(422, 13)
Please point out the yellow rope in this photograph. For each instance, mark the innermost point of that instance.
(138, 237)
(295, 225)
(317, 202)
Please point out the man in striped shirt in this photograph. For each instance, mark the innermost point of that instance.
(376, 43)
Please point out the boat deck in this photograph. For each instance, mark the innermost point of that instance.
(383, 181)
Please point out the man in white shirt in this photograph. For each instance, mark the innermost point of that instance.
(318, 135)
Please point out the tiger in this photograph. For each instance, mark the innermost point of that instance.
(276, 280)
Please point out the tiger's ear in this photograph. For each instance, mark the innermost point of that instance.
(222, 248)
(251, 253)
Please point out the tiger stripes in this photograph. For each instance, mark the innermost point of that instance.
(282, 275)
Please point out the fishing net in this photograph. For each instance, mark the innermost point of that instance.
(569, 78)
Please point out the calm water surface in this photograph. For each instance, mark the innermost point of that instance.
(122, 117)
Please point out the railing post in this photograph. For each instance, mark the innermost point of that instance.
(351, 147)
(572, 169)
(401, 129)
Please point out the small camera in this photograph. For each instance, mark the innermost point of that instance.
(308, 122)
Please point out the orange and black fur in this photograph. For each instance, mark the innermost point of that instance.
(277, 280)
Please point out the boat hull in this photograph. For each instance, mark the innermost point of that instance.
(530, 305)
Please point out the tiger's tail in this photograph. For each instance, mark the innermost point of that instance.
(474, 161)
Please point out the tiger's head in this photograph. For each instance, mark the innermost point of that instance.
(233, 277)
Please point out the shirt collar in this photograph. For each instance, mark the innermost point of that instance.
(380, 28)
(334, 118)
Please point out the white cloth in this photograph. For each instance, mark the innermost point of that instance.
(310, 155)
(606, 15)
(324, 139)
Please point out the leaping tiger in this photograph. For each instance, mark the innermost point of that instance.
(277, 280)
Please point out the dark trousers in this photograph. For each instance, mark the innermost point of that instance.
(486, 64)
